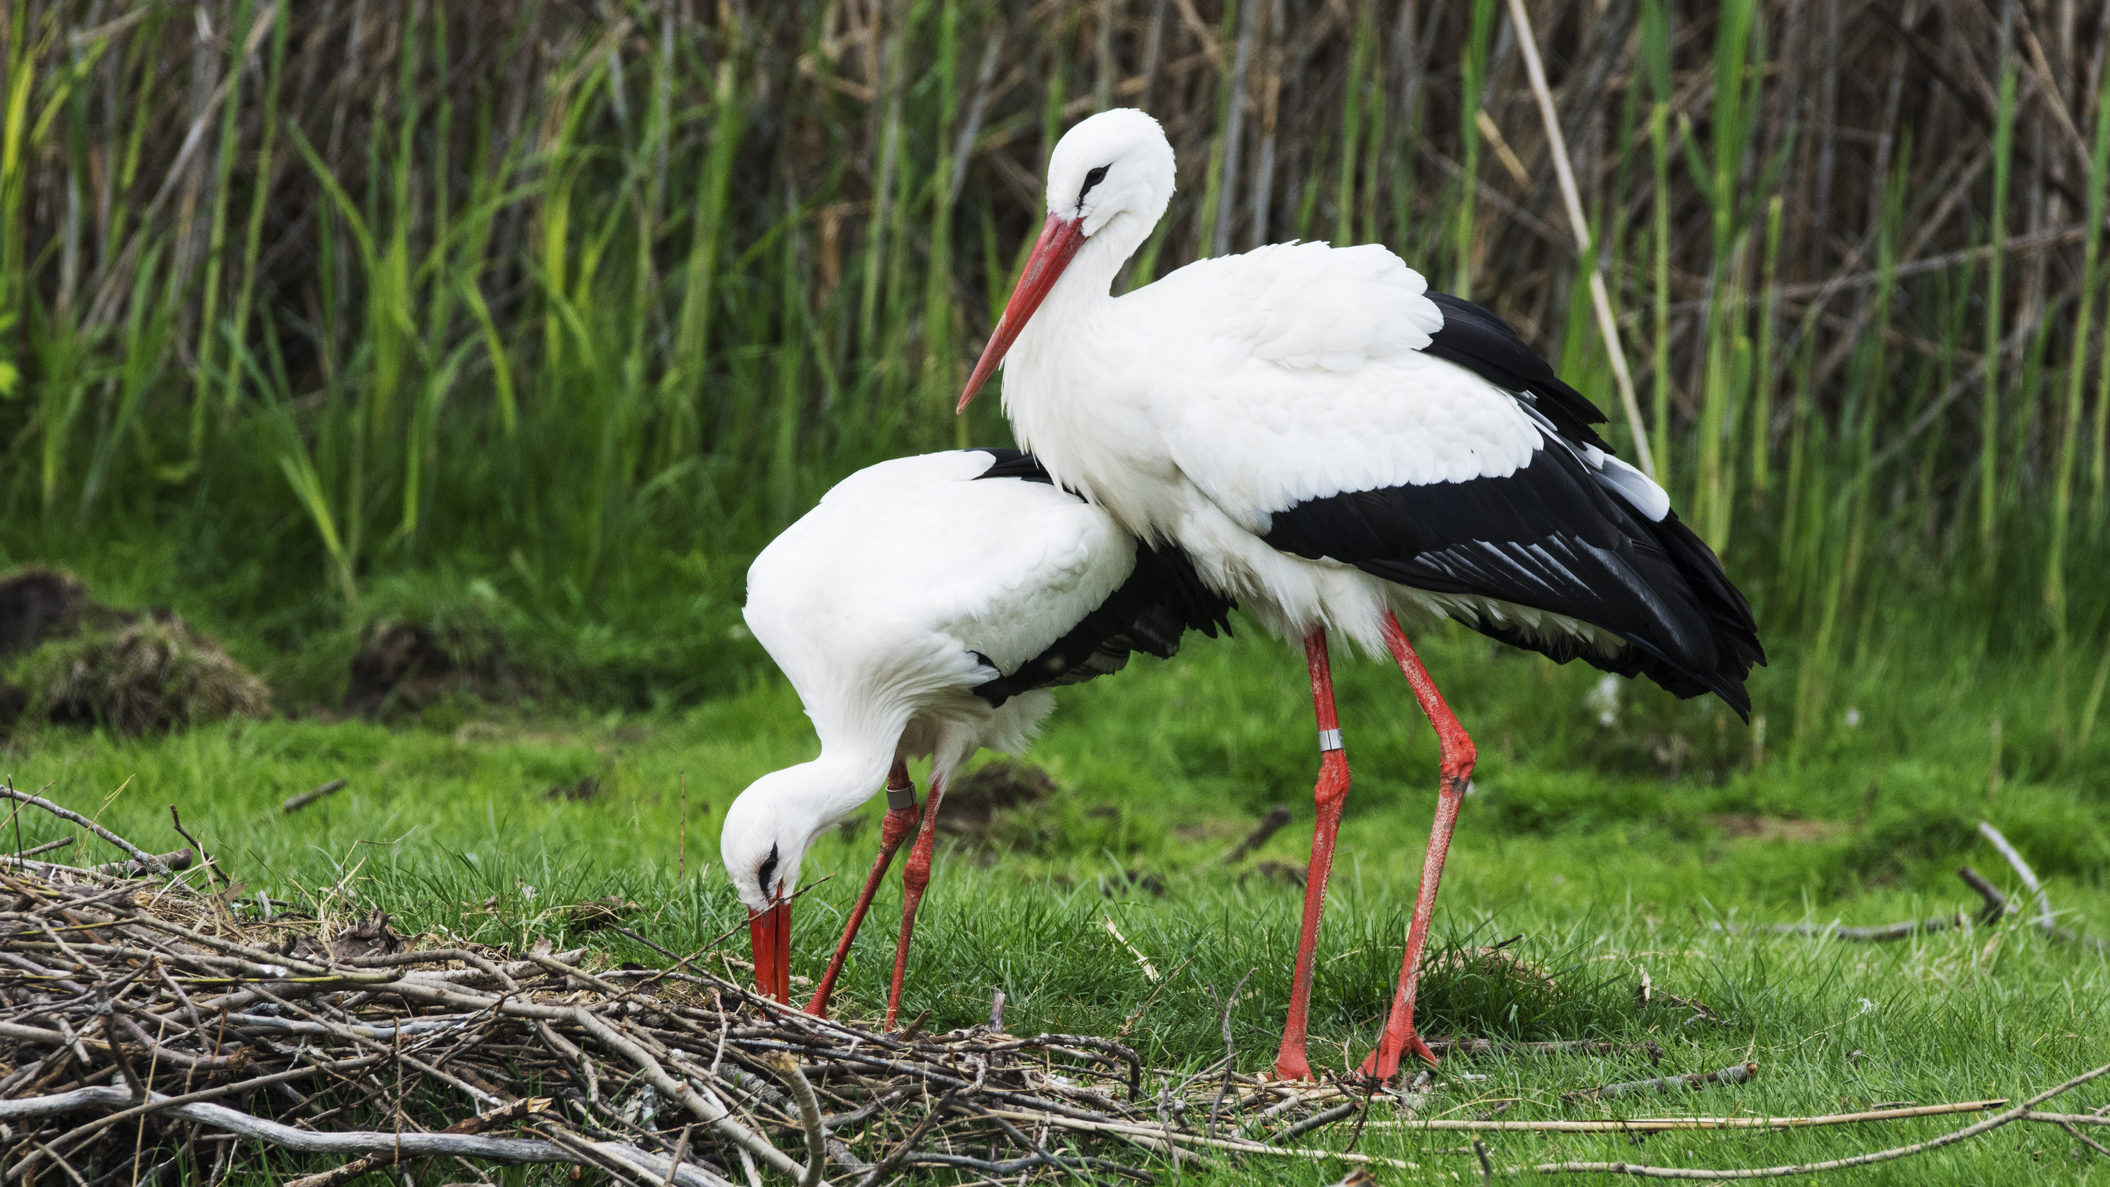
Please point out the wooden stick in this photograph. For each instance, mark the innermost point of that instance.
(1669, 1124)
(135, 852)
(2022, 871)
(297, 802)
(1235, 1145)
(1641, 1170)
(1600, 300)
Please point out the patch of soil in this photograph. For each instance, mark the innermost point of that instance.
(1280, 872)
(406, 667)
(79, 662)
(974, 801)
(151, 675)
(582, 791)
(1743, 825)
(39, 605)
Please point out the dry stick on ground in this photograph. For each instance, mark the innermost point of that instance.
(137, 854)
(1270, 824)
(1668, 1124)
(1571, 197)
(1230, 1052)
(2046, 921)
(1996, 905)
(297, 802)
(2020, 1112)
(46, 847)
(212, 866)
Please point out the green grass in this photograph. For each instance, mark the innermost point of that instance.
(1575, 840)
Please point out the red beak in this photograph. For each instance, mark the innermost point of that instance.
(1059, 240)
(770, 932)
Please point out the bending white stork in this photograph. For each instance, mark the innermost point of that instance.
(922, 609)
(1333, 445)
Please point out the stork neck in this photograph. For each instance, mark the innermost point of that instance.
(832, 786)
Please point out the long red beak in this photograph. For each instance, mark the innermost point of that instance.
(1059, 240)
(770, 931)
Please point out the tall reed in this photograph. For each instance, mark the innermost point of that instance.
(584, 299)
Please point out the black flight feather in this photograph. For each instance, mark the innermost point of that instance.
(1162, 599)
(1475, 339)
(1552, 536)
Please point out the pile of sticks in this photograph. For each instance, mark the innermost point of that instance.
(149, 1025)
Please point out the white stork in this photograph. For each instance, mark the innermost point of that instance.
(923, 608)
(1333, 446)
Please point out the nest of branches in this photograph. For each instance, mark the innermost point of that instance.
(150, 1023)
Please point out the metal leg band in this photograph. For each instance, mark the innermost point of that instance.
(1330, 740)
(899, 798)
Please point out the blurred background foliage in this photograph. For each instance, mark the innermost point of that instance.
(537, 317)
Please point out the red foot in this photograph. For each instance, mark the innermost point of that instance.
(1291, 1064)
(1383, 1063)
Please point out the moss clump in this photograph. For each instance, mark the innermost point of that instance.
(146, 676)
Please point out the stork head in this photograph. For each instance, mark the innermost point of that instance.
(766, 835)
(1108, 184)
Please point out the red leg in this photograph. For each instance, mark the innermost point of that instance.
(1329, 797)
(895, 828)
(914, 877)
(1458, 754)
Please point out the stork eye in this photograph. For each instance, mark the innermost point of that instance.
(767, 873)
(1091, 179)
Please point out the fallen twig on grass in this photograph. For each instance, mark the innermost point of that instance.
(1668, 1124)
(46, 847)
(1270, 824)
(135, 852)
(297, 802)
(1996, 905)
(2020, 1112)
(2046, 921)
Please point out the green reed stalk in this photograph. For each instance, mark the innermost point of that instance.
(1989, 417)
(1472, 82)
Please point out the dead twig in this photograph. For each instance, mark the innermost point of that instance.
(1276, 819)
(1641, 1170)
(135, 852)
(297, 802)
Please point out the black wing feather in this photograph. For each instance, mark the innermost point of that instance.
(1551, 536)
(1014, 463)
(1475, 339)
(1162, 599)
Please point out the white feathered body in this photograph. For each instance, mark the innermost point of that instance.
(1239, 386)
(877, 603)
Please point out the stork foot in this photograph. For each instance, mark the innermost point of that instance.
(1383, 1063)
(1290, 1063)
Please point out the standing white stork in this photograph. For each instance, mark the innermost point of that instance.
(923, 608)
(1333, 445)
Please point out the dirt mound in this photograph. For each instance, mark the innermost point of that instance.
(147, 676)
(972, 803)
(39, 605)
(69, 659)
(403, 667)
